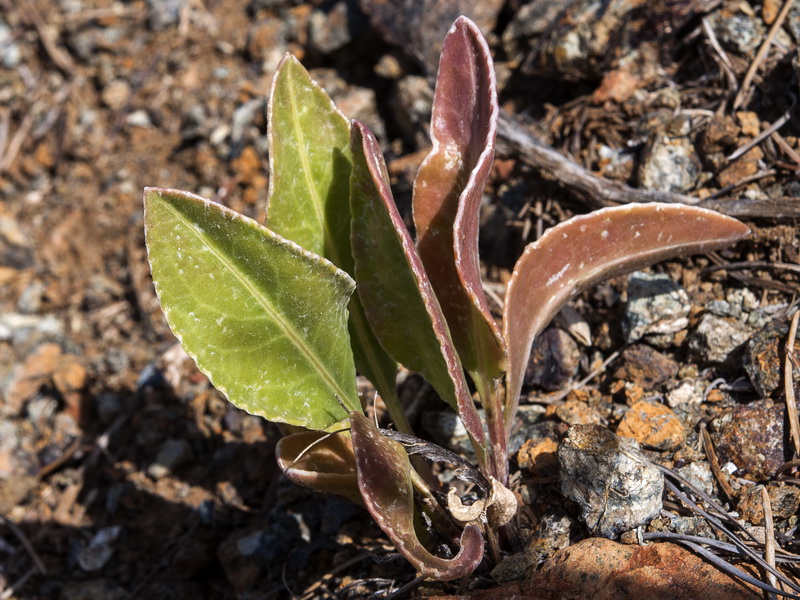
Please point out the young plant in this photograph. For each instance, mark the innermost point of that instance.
(270, 314)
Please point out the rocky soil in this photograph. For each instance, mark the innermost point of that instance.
(124, 474)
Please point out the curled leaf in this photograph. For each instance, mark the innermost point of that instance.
(502, 505)
(321, 461)
(586, 249)
(393, 286)
(384, 478)
(461, 513)
(263, 318)
(448, 191)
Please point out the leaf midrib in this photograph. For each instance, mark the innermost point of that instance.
(328, 246)
(287, 328)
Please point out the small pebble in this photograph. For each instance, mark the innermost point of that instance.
(751, 437)
(784, 502)
(116, 94)
(737, 30)
(717, 340)
(670, 164)
(687, 393)
(139, 118)
(699, 475)
(336, 26)
(530, 424)
(653, 425)
(555, 358)
(539, 456)
(656, 305)
(575, 411)
(615, 486)
(645, 366)
(164, 13)
(99, 550)
(174, 453)
(762, 358)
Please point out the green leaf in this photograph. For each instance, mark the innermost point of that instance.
(397, 296)
(384, 478)
(309, 199)
(310, 164)
(263, 318)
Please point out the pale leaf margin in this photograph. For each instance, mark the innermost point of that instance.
(397, 295)
(586, 249)
(385, 481)
(193, 244)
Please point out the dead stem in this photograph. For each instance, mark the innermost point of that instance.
(708, 447)
(791, 406)
(37, 561)
(769, 536)
(744, 90)
(780, 122)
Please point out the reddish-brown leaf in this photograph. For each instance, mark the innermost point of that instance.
(586, 249)
(384, 478)
(448, 190)
(393, 286)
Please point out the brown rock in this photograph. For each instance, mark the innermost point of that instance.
(720, 134)
(577, 412)
(116, 94)
(762, 358)
(554, 360)
(646, 366)
(601, 569)
(784, 501)
(250, 168)
(742, 167)
(770, 10)
(266, 40)
(617, 85)
(69, 377)
(749, 123)
(31, 375)
(539, 456)
(752, 438)
(653, 425)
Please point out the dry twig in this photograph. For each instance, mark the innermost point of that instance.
(37, 561)
(782, 120)
(596, 192)
(769, 536)
(744, 89)
(714, 462)
(717, 524)
(724, 61)
(30, 14)
(791, 406)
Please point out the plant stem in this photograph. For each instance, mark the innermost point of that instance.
(491, 399)
(433, 509)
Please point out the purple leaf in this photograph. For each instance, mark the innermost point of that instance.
(448, 190)
(394, 289)
(384, 478)
(321, 461)
(584, 250)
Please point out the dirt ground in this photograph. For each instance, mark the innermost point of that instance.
(124, 474)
